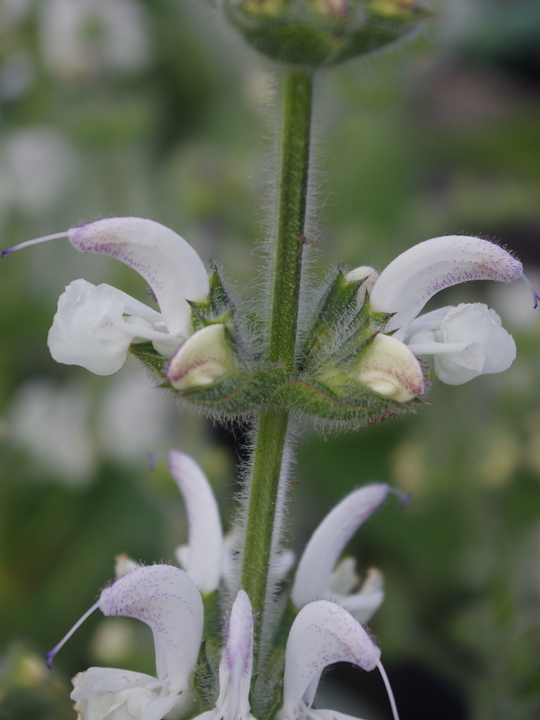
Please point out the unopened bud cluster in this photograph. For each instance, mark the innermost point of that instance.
(316, 33)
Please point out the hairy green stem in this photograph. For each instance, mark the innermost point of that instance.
(271, 431)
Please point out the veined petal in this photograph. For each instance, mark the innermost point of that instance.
(390, 369)
(409, 281)
(203, 560)
(165, 260)
(166, 599)
(322, 633)
(318, 561)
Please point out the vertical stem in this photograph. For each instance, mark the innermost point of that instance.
(294, 151)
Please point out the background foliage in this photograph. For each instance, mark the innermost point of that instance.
(145, 108)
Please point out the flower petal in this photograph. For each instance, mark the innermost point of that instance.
(323, 633)
(204, 557)
(237, 661)
(166, 599)
(405, 286)
(85, 329)
(165, 260)
(468, 342)
(390, 369)
(329, 539)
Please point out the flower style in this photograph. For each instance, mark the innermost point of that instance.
(317, 576)
(465, 341)
(94, 326)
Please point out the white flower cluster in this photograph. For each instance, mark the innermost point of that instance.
(327, 628)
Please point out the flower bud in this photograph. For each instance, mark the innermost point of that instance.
(315, 33)
(390, 369)
(205, 358)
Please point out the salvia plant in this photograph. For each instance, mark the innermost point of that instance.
(241, 630)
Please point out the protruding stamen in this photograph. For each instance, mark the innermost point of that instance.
(403, 497)
(536, 296)
(35, 241)
(50, 655)
(388, 690)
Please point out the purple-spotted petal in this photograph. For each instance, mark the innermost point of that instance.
(409, 281)
(329, 539)
(165, 260)
(166, 599)
(203, 559)
(237, 662)
(323, 633)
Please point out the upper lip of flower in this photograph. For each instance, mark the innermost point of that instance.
(409, 281)
(314, 574)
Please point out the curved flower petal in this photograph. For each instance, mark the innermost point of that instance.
(390, 369)
(408, 282)
(314, 574)
(166, 599)
(322, 633)
(203, 561)
(165, 260)
(467, 341)
(237, 662)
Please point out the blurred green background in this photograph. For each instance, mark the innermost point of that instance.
(151, 108)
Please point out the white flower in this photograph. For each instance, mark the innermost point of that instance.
(94, 326)
(236, 665)
(409, 281)
(202, 558)
(317, 576)
(466, 341)
(166, 599)
(323, 633)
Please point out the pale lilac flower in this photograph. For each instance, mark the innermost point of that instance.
(318, 577)
(236, 666)
(202, 558)
(94, 326)
(323, 633)
(465, 343)
(166, 599)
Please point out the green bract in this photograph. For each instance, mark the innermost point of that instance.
(316, 33)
